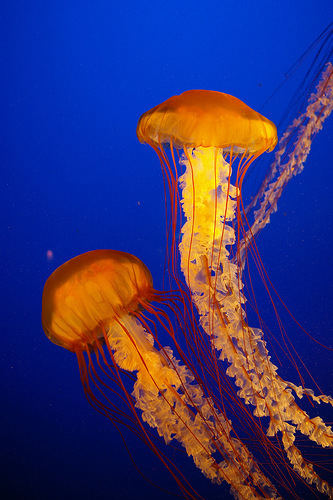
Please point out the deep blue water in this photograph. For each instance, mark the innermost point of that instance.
(76, 76)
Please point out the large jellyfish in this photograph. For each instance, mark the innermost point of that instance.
(102, 297)
(209, 134)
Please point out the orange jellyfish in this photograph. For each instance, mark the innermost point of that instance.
(210, 134)
(102, 298)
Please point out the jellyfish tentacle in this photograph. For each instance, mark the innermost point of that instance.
(170, 400)
(216, 287)
(289, 159)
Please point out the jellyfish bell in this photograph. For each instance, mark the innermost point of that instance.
(89, 293)
(95, 299)
(206, 118)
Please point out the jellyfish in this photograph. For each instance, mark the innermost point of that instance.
(210, 134)
(96, 306)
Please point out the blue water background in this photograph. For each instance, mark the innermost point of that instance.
(76, 76)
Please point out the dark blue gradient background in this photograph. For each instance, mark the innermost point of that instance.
(75, 77)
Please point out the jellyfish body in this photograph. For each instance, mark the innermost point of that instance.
(94, 299)
(212, 255)
(203, 118)
(91, 290)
